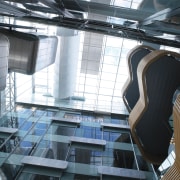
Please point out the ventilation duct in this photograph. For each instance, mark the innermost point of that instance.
(30, 53)
(4, 53)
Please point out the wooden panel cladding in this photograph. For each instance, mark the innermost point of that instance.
(130, 90)
(174, 171)
(158, 76)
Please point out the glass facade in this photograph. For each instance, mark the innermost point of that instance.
(99, 79)
(41, 135)
(82, 133)
(100, 91)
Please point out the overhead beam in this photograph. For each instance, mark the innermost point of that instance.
(113, 11)
(7, 8)
(104, 28)
(59, 10)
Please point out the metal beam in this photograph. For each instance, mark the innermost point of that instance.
(113, 11)
(59, 10)
(104, 28)
(121, 172)
(7, 8)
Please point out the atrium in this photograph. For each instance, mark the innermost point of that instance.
(62, 113)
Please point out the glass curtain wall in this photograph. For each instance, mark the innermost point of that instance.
(100, 91)
(97, 91)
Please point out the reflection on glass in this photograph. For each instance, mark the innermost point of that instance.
(29, 176)
(54, 141)
(114, 155)
(39, 129)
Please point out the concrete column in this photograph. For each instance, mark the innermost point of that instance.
(66, 63)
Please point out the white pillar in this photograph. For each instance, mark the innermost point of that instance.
(66, 63)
